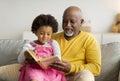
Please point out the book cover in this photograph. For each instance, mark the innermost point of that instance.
(45, 61)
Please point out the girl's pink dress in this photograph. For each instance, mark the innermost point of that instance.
(34, 71)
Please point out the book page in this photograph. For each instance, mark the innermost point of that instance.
(45, 61)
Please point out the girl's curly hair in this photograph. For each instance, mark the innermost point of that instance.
(44, 20)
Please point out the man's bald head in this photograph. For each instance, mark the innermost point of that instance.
(73, 10)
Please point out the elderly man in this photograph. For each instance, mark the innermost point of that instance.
(80, 51)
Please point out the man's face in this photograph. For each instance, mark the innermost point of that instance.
(71, 23)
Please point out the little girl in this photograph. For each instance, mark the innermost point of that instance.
(43, 27)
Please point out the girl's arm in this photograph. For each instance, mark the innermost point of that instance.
(22, 57)
(56, 49)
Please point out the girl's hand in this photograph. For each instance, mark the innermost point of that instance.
(62, 66)
(25, 62)
(29, 58)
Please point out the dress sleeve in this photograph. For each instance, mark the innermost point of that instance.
(56, 49)
(21, 57)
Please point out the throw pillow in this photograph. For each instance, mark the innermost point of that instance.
(110, 62)
(9, 72)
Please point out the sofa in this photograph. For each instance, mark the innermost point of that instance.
(10, 49)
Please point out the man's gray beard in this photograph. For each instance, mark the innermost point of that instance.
(69, 34)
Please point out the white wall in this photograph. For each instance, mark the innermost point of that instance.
(16, 16)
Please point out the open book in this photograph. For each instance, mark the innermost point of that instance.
(43, 62)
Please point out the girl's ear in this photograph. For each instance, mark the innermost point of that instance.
(35, 32)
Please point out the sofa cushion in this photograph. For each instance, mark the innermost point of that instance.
(110, 62)
(9, 50)
(10, 72)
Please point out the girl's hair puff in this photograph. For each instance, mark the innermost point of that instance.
(44, 20)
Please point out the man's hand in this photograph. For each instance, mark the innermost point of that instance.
(61, 65)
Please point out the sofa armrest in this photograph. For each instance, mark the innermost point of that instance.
(10, 72)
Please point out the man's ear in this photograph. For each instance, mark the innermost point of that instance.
(82, 20)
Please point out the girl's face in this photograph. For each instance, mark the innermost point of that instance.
(44, 34)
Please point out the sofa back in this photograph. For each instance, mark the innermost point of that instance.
(110, 62)
(9, 51)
